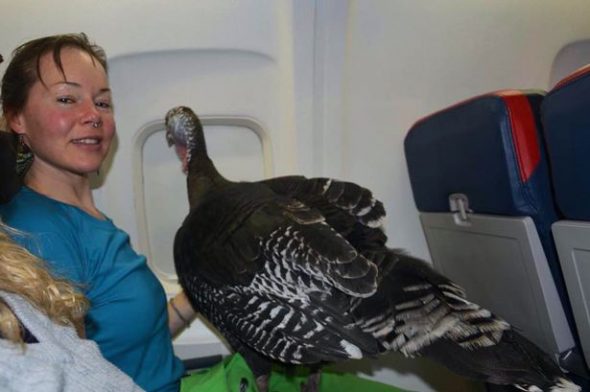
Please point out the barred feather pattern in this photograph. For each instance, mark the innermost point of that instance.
(432, 311)
(349, 198)
(274, 314)
(561, 385)
(348, 271)
(358, 201)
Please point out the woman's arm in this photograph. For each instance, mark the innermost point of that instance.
(180, 313)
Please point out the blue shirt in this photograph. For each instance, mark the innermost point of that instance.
(128, 316)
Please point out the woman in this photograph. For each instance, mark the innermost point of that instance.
(56, 97)
(39, 347)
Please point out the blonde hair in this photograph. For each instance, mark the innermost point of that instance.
(26, 275)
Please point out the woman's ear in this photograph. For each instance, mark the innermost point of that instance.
(15, 123)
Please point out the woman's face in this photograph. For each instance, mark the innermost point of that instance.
(68, 123)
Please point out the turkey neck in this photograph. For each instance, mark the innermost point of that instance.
(202, 177)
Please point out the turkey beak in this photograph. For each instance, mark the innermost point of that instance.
(169, 138)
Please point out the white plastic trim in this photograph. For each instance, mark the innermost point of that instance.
(139, 139)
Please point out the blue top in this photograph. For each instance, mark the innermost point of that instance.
(128, 316)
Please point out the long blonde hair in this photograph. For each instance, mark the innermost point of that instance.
(26, 275)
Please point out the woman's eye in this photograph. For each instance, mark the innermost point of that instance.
(104, 104)
(65, 100)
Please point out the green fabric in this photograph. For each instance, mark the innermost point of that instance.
(227, 375)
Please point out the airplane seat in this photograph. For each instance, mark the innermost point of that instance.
(566, 120)
(480, 180)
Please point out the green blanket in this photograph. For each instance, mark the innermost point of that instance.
(227, 376)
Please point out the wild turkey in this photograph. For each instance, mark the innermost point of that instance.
(297, 270)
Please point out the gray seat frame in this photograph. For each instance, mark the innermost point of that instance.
(501, 264)
(572, 240)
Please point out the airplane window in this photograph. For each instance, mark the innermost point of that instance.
(240, 152)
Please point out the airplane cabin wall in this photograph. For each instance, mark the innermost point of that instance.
(404, 60)
(336, 84)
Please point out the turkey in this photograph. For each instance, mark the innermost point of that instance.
(297, 270)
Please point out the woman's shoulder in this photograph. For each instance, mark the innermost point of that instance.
(30, 211)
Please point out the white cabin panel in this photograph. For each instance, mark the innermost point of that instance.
(333, 84)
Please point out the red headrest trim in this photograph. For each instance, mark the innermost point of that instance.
(524, 132)
(573, 76)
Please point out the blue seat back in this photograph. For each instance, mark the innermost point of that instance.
(565, 113)
(566, 121)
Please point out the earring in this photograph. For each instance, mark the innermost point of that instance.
(24, 156)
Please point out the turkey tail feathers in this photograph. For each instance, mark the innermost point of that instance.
(417, 311)
(564, 385)
(424, 307)
(512, 361)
